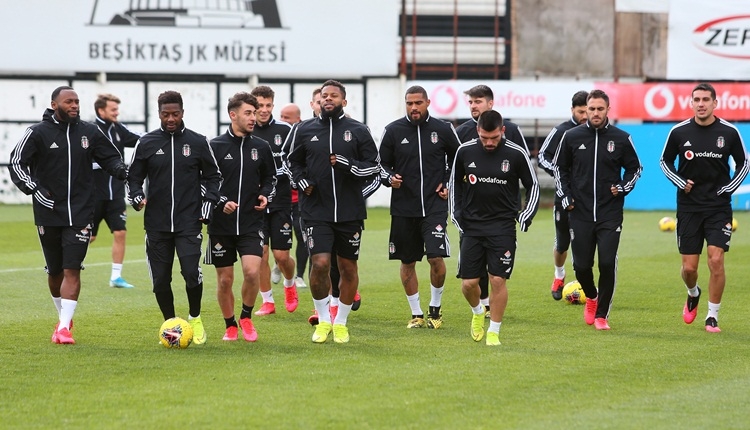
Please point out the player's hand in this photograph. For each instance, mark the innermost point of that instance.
(262, 203)
(396, 181)
(689, 185)
(613, 189)
(308, 190)
(442, 191)
(230, 207)
(333, 159)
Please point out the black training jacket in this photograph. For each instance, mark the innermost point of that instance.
(248, 171)
(107, 187)
(275, 133)
(423, 155)
(587, 163)
(53, 162)
(337, 190)
(175, 165)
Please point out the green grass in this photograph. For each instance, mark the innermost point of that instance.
(552, 371)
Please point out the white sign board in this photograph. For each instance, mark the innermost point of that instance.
(513, 99)
(709, 43)
(283, 38)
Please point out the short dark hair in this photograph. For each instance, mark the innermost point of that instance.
(58, 90)
(168, 97)
(705, 86)
(480, 91)
(334, 83)
(579, 98)
(242, 97)
(598, 94)
(416, 89)
(315, 92)
(490, 120)
(263, 91)
(102, 99)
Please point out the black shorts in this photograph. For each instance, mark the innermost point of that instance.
(63, 247)
(112, 212)
(562, 228)
(222, 251)
(325, 237)
(715, 227)
(486, 254)
(278, 229)
(413, 237)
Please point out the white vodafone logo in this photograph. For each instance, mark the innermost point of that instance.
(689, 155)
(472, 179)
(659, 101)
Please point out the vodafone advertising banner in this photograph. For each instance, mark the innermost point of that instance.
(551, 100)
(709, 40)
(671, 102)
(514, 99)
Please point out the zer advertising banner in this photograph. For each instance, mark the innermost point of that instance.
(283, 38)
(709, 40)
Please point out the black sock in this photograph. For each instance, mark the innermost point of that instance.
(247, 311)
(435, 311)
(194, 296)
(417, 316)
(230, 322)
(165, 300)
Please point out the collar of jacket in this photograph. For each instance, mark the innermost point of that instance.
(238, 139)
(602, 128)
(338, 118)
(178, 132)
(49, 116)
(270, 122)
(102, 122)
(426, 120)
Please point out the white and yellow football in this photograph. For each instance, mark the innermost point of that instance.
(176, 333)
(734, 224)
(573, 294)
(667, 224)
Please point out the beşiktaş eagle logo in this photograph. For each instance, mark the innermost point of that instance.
(188, 13)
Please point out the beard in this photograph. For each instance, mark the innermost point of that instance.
(335, 113)
(64, 117)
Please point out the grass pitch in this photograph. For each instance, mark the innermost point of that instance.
(552, 371)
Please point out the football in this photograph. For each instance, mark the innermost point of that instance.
(667, 224)
(734, 224)
(573, 293)
(176, 333)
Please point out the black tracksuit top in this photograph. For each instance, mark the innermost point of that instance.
(422, 154)
(53, 161)
(337, 190)
(183, 178)
(588, 162)
(248, 171)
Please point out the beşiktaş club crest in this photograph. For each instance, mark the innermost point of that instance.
(277, 140)
(611, 146)
(85, 142)
(720, 142)
(505, 166)
(347, 136)
(254, 154)
(186, 150)
(433, 137)
(391, 248)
